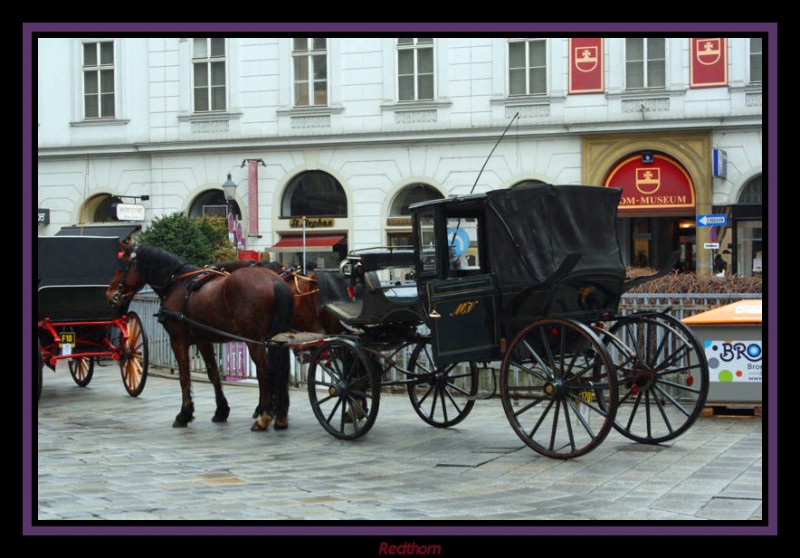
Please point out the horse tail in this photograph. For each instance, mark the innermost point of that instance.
(284, 307)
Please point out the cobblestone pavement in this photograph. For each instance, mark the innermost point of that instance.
(103, 455)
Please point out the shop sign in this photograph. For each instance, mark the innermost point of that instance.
(734, 361)
(313, 223)
(398, 221)
(130, 212)
(43, 216)
(662, 185)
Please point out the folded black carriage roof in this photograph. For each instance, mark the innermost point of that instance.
(530, 230)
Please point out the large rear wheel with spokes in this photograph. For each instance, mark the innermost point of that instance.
(558, 387)
(135, 360)
(344, 388)
(662, 373)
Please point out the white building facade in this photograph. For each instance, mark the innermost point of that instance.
(337, 136)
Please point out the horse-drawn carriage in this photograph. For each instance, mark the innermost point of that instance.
(75, 321)
(529, 277)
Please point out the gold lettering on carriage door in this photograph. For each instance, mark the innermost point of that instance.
(464, 308)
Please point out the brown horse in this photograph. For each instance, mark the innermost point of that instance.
(308, 313)
(200, 307)
(308, 316)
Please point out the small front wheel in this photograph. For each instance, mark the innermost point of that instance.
(559, 388)
(344, 389)
(41, 368)
(81, 369)
(442, 396)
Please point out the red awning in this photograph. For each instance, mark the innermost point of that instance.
(313, 243)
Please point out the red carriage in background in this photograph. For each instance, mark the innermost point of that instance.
(75, 321)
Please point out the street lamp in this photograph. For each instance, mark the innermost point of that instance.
(229, 190)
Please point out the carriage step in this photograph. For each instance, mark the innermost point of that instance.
(732, 410)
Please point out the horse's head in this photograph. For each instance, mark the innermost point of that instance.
(126, 281)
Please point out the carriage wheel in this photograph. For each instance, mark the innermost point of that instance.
(442, 400)
(344, 389)
(39, 377)
(554, 376)
(663, 377)
(135, 361)
(82, 370)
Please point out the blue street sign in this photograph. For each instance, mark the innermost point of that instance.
(459, 242)
(713, 220)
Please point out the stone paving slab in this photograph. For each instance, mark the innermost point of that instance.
(103, 455)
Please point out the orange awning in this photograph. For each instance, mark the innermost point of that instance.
(313, 243)
(742, 312)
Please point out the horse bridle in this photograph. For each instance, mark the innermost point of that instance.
(123, 265)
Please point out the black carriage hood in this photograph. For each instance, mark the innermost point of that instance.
(532, 229)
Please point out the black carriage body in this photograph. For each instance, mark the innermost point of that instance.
(489, 264)
(74, 273)
(356, 294)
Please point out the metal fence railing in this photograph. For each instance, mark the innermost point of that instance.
(234, 362)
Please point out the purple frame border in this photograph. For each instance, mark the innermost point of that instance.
(28, 157)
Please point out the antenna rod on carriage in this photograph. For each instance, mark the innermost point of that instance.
(516, 115)
(458, 225)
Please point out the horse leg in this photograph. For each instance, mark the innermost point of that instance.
(266, 405)
(181, 350)
(279, 364)
(223, 410)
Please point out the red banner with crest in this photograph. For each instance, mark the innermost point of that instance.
(709, 64)
(585, 65)
(252, 196)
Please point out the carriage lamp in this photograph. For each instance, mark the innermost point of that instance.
(229, 191)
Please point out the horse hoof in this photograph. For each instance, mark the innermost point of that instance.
(217, 418)
(261, 424)
(281, 424)
(179, 424)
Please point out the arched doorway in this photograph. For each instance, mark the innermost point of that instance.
(100, 209)
(398, 224)
(212, 203)
(657, 210)
(310, 205)
(741, 240)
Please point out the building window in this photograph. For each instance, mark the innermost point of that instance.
(415, 69)
(98, 79)
(645, 63)
(208, 62)
(411, 194)
(213, 203)
(755, 60)
(527, 67)
(310, 62)
(751, 193)
(314, 194)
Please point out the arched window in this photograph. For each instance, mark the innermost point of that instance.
(411, 194)
(314, 194)
(100, 208)
(528, 183)
(751, 193)
(212, 202)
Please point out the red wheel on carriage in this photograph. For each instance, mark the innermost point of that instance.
(82, 370)
(134, 362)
